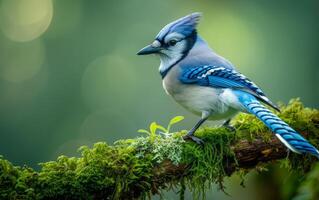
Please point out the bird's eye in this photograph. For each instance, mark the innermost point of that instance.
(172, 42)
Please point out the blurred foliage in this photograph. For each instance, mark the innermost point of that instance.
(126, 169)
(309, 187)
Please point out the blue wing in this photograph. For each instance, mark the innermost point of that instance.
(221, 77)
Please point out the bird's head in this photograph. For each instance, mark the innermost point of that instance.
(175, 40)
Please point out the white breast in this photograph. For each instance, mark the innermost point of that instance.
(198, 99)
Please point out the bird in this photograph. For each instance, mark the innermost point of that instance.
(210, 86)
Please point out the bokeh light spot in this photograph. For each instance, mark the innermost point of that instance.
(21, 61)
(25, 20)
(107, 81)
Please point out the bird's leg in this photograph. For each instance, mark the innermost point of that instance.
(228, 126)
(190, 134)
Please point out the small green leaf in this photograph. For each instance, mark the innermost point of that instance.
(176, 120)
(153, 128)
(161, 128)
(143, 131)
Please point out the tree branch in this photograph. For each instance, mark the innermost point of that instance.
(247, 156)
(136, 168)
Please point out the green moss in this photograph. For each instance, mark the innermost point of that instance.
(207, 162)
(125, 170)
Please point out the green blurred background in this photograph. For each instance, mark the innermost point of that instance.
(69, 74)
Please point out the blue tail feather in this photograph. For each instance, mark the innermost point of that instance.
(292, 139)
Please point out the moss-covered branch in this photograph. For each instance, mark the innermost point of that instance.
(138, 168)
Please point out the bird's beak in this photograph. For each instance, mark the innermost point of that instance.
(149, 49)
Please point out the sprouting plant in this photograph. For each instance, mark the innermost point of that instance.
(161, 142)
(156, 128)
(173, 121)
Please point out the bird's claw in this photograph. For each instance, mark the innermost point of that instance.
(193, 138)
(230, 128)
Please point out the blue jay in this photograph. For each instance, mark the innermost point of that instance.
(208, 85)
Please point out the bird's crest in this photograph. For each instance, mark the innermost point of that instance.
(185, 26)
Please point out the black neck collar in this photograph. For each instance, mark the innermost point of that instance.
(191, 39)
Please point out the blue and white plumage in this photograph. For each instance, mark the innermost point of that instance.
(209, 85)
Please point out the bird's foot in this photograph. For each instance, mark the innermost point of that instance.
(193, 138)
(229, 127)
